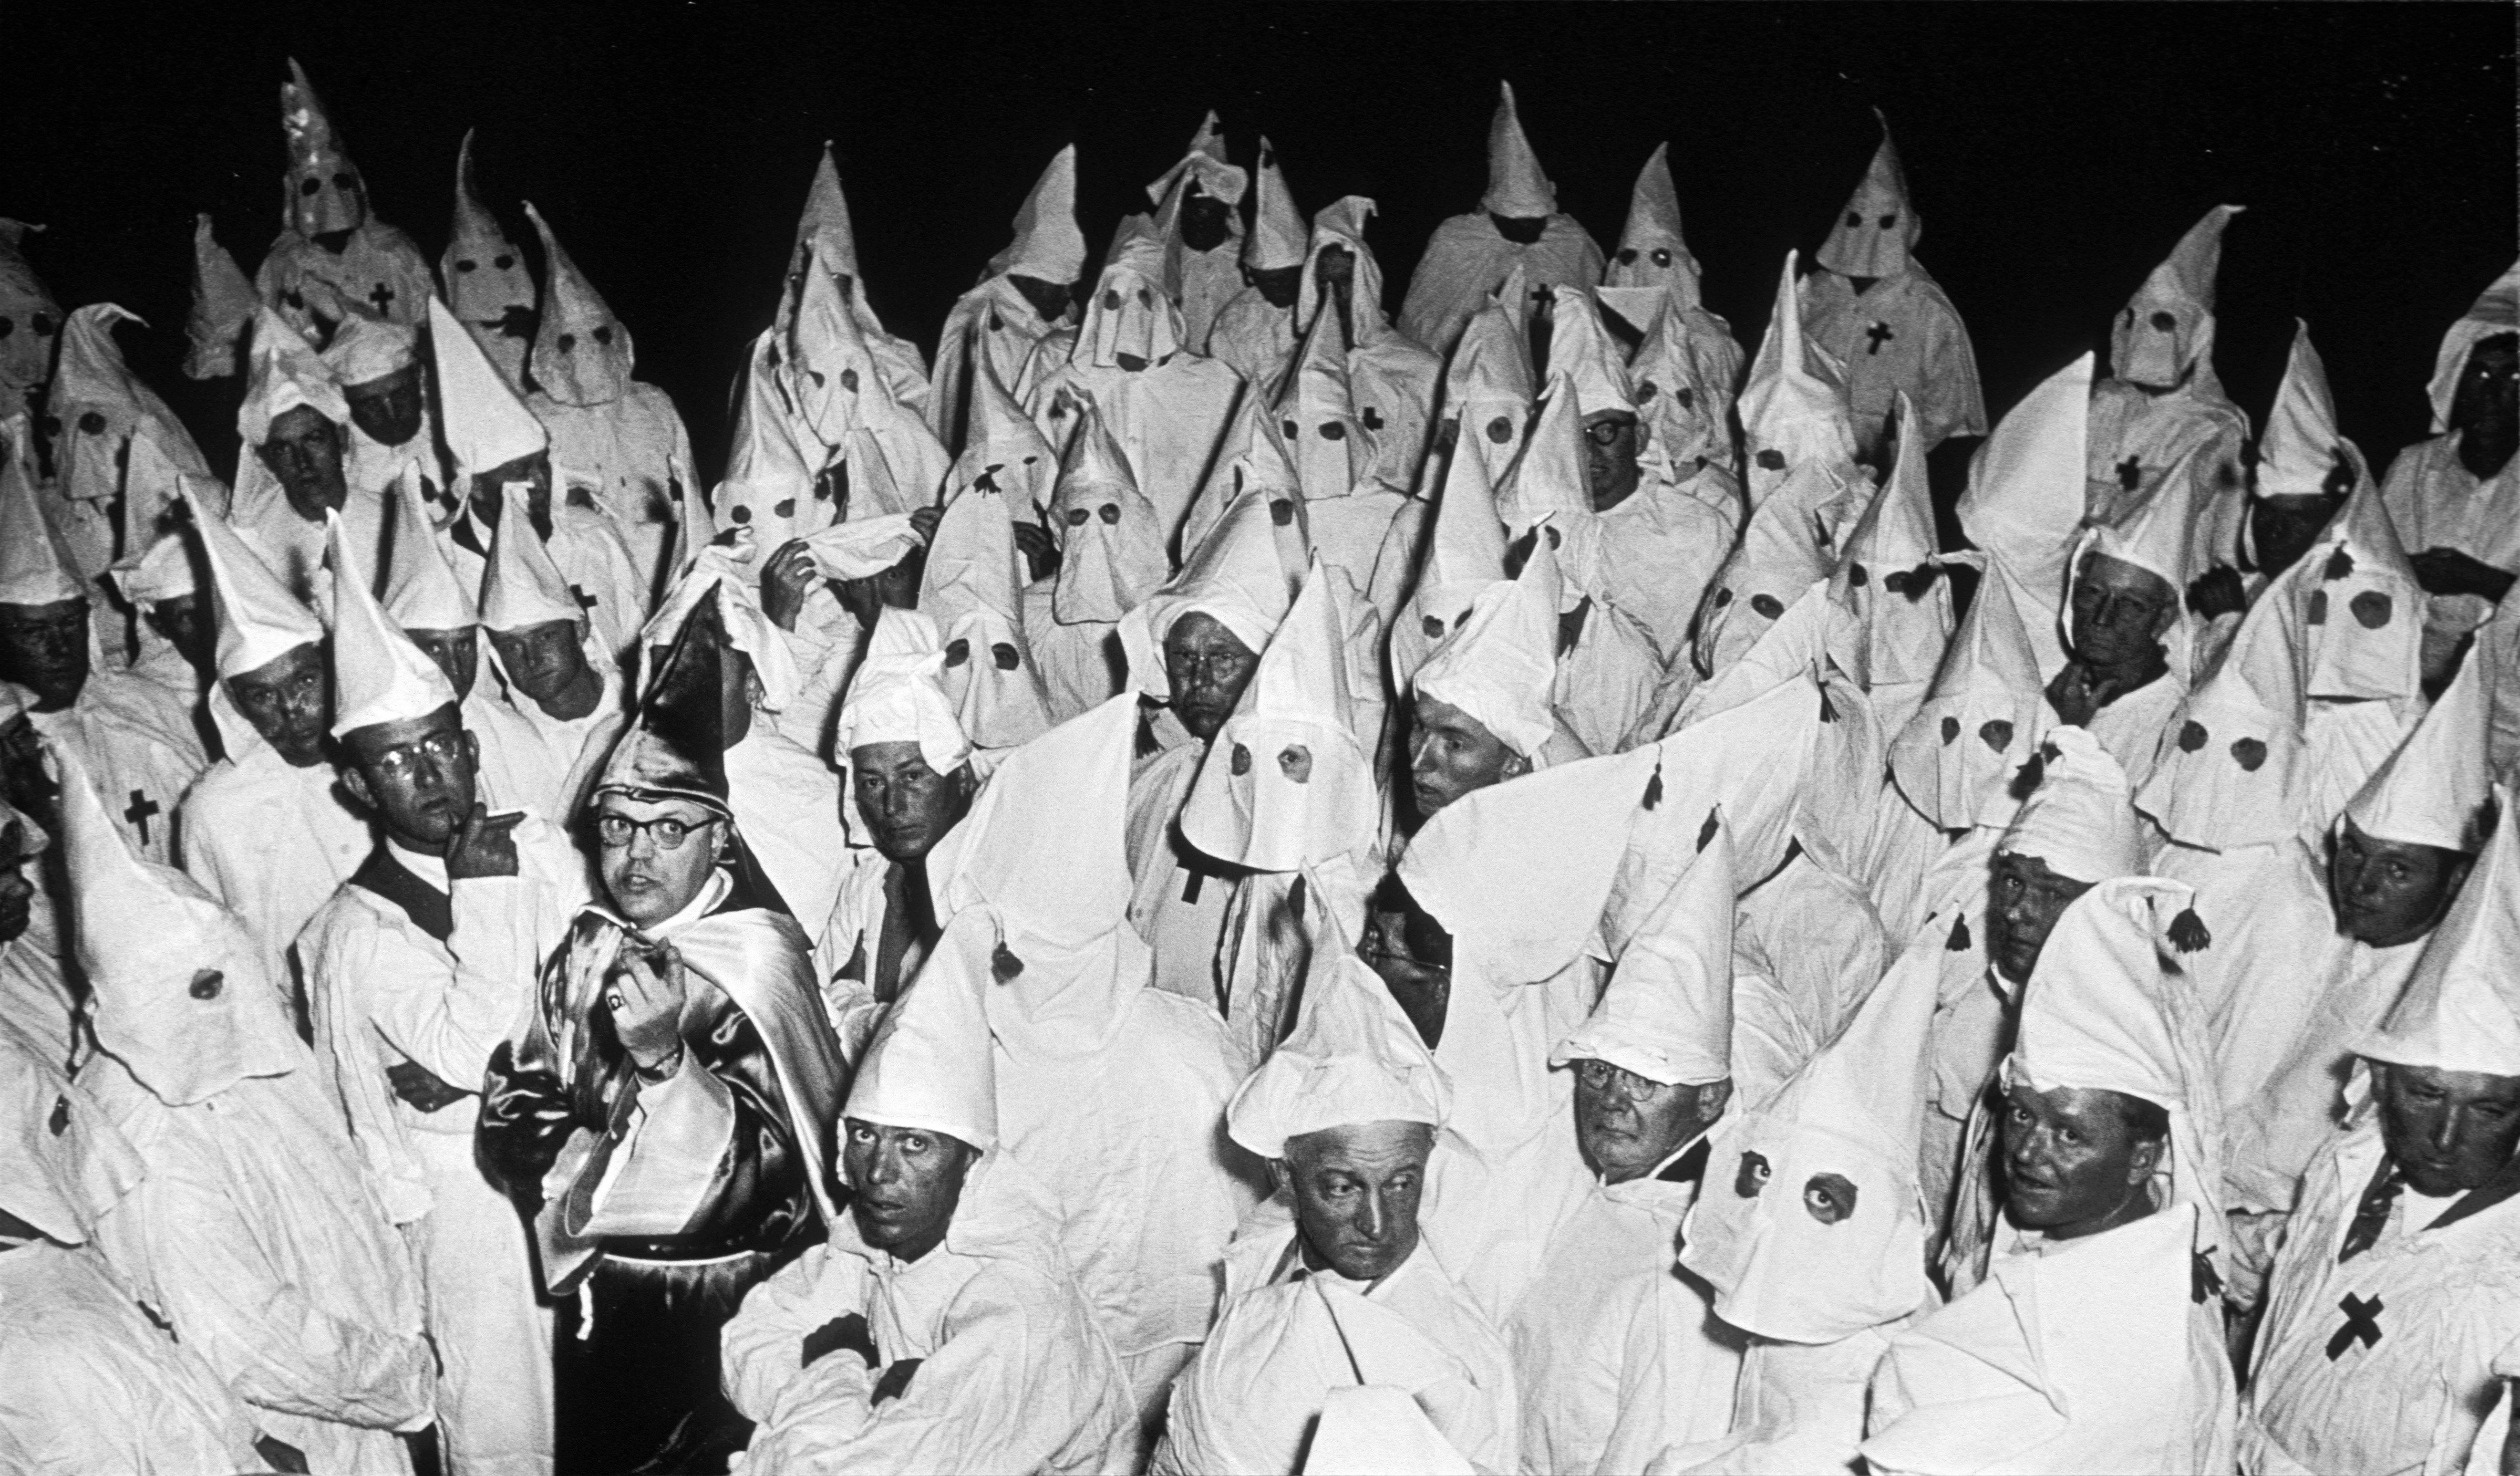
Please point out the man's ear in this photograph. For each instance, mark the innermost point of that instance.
(965, 783)
(2146, 1159)
(357, 784)
(472, 750)
(1713, 1098)
(1516, 766)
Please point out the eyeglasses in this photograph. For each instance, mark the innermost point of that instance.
(1606, 432)
(442, 747)
(1601, 1075)
(668, 831)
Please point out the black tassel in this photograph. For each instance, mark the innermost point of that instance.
(1959, 942)
(1706, 832)
(1653, 786)
(2189, 933)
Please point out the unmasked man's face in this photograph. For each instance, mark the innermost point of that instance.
(389, 407)
(1357, 1189)
(2448, 1131)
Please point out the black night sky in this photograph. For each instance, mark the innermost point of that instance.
(2057, 150)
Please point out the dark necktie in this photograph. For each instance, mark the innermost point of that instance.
(2372, 1216)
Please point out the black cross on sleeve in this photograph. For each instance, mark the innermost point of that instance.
(142, 807)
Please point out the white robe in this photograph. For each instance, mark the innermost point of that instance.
(2408, 1392)
(258, 1238)
(1797, 1411)
(1012, 1374)
(1617, 1352)
(138, 747)
(88, 1385)
(551, 773)
(381, 991)
(1466, 260)
(272, 843)
(631, 453)
(1903, 336)
(379, 273)
(1080, 664)
(2137, 439)
(2133, 727)
(998, 320)
(1290, 1336)
(2436, 502)
(1658, 553)
(1168, 418)
(1253, 336)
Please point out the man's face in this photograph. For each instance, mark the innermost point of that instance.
(2070, 1158)
(1413, 955)
(2023, 900)
(1521, 230)
(1611, 440)
(44, 647)
(655, 855)
(1356, 1193)
(1048, 300)
(1276, 284)
(2388, 893)
(1452, 753)
(458, 653)
(896, 588)
(1627, 1125)
(545, 661)
(180, 621)
(1205, 220)
(2447, 1130)
(389, 407)
(907, 806)
(1208, 668)
(2119, 611)
(2284, 528)
(908, 1183)
(17, 892)
(489, 489)
(2488, 396)
(304, 452)
(288, 699)
(417, 773)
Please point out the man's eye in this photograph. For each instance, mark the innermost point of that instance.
(2068, 1135)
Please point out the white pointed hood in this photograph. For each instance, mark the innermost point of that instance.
(1839, 1138)
(1790, 414)
(1651, 252)
(1878, 228)
(1004, 448)
(258, 620)
(2497, 311)
(1464, 555)
(2159, 535)
(1517, 187)
(769, 487)
(2108, 1007)
(1488, 379)
(485, 423)
(1782, 555)
(1980, 722)
(1111, 540)
(1666, 1014)
(1352, 1058)
(1547, 483)
(1045, 844)
(117, 436)
(1132, 312)
(321, 191)
(2079, 820)
(1204, 164)
(897, 695)
(1048, 246)
(2166, 330)
(144, 933)
(26, 355)
(34, 567)
(2437, 787)
(1279, 238)
(484, 274)
(2301, 453)
(1316, 414)
(163, 571)
(366, 350)
(1233, 577)
(2462, 1008)
(223, 303)
(1903, 634)
(1583, 350)
(823, 227)
(377, 674)
(1342, 223)
(973, 585)
(1287, 784)
(1500, 662)
(582, 351)
(2234, 766)
(929, 1065)
(520, 585)
(421, 592)
(2025, 495)
(282, 372)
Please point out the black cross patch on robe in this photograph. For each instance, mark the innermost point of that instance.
(2361, 1324)
(1879, 333)
(142, 807)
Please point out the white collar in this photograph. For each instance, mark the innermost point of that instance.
(429, 868)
